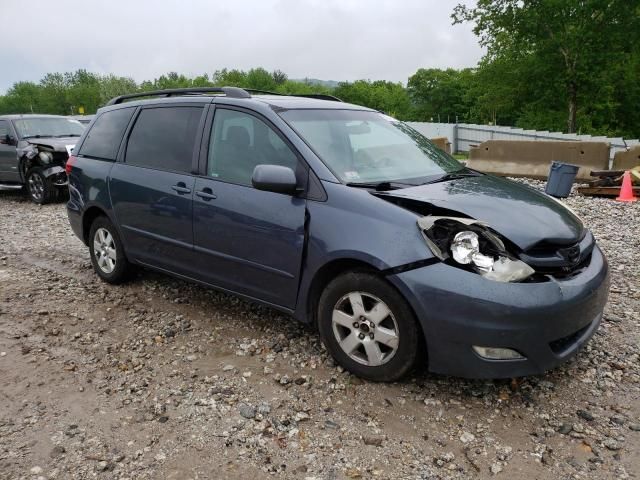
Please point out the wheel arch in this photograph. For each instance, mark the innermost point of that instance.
(88, 218)
(337, 267)
(25, 164)
(324, 275)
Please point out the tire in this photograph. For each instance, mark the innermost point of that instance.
(383, 346)
(38, 187)
(107, 253)
(62, 194)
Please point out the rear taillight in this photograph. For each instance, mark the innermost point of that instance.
(70, 161)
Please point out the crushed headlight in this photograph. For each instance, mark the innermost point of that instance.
(507, 270)
(471, 243)
(464, 246)
(45, 157)
(465, 249)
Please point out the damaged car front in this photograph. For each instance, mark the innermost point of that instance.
(42, 145)
(503, 280)
(519, 284)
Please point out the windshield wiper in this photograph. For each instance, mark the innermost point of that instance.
(379, 186)
(463, 173)
(35, 136)
(68, 135)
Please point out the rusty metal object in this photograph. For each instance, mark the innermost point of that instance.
(604, 191)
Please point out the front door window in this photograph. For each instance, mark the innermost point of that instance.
(239, 142)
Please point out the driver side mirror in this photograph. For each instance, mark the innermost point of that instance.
(274, 178)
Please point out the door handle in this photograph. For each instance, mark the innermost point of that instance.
(206, 194)
(180, 187)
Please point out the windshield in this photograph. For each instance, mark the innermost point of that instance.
(48, 127)
(365, 147)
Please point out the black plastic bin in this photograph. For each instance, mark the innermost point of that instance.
(561, 178)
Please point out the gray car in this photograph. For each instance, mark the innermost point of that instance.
(33, 152)
(343, 218)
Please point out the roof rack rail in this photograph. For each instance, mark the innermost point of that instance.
(319, 96)
(264, 92)
(233, 92)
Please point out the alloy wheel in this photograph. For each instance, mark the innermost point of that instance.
(104, 250)
(365, 328)
(36, 186)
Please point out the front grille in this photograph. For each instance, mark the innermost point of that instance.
(563, 344)
(561, 261)
(566, 272)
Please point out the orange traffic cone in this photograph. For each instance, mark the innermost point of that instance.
(626, 191)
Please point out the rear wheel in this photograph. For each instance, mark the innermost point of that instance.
(107, 254)
(39, 188)
(368, 327)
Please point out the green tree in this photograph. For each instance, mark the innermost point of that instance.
(171, 80)
(441, 94)
(230, 78)
(279, 77)
(82, 89)
(260, 79)
(112, 86)
(572, 43)
(626, 96)
(23, 97)
(388, 97)
(53, 88)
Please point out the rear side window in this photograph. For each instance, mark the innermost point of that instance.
(164, 138)
(106, 133)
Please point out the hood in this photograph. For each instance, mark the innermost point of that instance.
(520, 213)
(63, 144)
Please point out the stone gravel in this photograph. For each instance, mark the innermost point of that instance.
(163, 379)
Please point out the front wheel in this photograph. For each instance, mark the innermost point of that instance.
(368, 327)
(107, 254)
(39, 187)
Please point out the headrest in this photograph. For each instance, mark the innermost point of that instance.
(238, 135)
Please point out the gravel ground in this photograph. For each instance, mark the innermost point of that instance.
(162, 379)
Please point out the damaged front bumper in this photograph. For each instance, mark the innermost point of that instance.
(545, 322)
(57, 175)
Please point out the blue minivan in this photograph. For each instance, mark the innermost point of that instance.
(342, 217)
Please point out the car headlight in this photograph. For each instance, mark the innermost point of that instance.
(471, 244)
(465, 249)
(45, 157)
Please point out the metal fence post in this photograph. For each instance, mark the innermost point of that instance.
(454, 140)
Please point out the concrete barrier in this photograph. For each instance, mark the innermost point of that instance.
(626, 160)
(442, 143)
(517, 158)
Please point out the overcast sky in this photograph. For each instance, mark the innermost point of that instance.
(326, 39)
